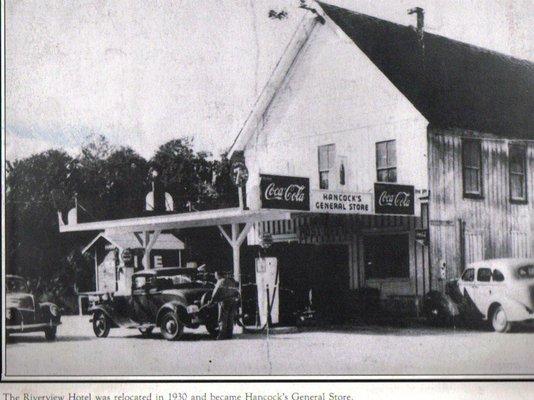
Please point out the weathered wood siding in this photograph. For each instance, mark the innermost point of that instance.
(494, 226)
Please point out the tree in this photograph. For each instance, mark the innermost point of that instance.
(31, 204)
(108, 183)
(111, 183)
(186, 175)
(225, 189)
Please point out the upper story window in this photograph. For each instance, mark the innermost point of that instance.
(472, 167)
(342, 171)
(517, 154)
(327, 155)
(386, 161)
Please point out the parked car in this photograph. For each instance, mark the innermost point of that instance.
(165, 298)
(23, 314)
(500, 291)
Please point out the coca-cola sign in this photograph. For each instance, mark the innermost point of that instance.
(285, 192)
(394, 199)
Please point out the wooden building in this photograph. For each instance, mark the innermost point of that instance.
(380, 158)
(356, 102)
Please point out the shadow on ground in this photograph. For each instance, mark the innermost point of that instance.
(21, 339)
(410, 328)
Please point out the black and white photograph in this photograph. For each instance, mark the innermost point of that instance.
(235, 189)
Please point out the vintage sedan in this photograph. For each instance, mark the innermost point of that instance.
(23, 314)
(500, 291)
(165, 298)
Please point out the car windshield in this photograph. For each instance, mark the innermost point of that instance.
(173, 280)
(165, 281)
(525, 272)
(16, 285)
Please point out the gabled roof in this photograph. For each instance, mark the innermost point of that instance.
(283, 66)
(453, 84)
(130, 240)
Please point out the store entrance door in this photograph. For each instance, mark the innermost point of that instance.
(330, 287)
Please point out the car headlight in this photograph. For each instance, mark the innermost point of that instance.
(54, 310)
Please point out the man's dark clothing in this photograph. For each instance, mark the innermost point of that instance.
(226, 293)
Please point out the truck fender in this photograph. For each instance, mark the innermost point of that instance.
(105, 311)
(176, 307)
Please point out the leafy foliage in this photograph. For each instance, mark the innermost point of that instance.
(107, 183)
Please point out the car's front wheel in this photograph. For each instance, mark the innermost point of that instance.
(50, 333)
(171, 327)
(499, 320)
(101, 324)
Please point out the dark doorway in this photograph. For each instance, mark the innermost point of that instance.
(330, 282)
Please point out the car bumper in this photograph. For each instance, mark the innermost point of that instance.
(30, 327)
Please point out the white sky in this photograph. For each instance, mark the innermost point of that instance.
(143, 74)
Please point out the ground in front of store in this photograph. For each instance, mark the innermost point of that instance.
(357, 349)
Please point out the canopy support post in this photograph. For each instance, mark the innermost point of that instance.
(235, 239)
(148, 243)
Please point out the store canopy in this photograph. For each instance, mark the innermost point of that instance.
(227, 216)
(165, 241)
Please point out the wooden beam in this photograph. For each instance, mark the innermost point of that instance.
(228, 239)
(244, 233)
(180, 221)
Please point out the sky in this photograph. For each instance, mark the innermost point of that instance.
(143, 72)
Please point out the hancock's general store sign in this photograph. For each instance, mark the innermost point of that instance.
(333, 202)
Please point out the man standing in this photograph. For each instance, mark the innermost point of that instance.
(226, 294)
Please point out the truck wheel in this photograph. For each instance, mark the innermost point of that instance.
(101, 324)
(50, 333)
(499, 321)
(171, 327)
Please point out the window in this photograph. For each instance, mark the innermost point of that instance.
(342, 171)
(468, 275)
(386, 256)
(498, 276)
(327, 155)
(472, 167)
(143, 282)
(526, 271)
(16, 285)
(518, 172)
(386, 161)
(139, 282)
(484, 275)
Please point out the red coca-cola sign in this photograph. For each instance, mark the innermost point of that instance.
(394, 199)
(285, 192)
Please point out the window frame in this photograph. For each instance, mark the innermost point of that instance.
(490, 276)
(388, 166)
(470, 194)
(342, 171)
(523, 147)
(493, 273)
(465, 273)
(329, 168)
